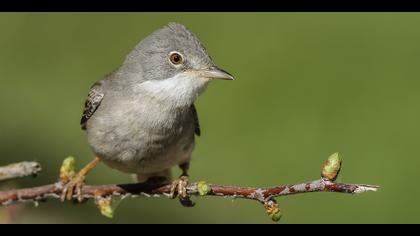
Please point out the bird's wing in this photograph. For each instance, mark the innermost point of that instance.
(196, 123)
(92, 103)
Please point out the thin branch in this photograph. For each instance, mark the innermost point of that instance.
(19, 170)
(103, 194)
(136, 190)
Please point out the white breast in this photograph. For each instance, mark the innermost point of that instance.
(178, 91)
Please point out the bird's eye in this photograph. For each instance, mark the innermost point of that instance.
(175, 58)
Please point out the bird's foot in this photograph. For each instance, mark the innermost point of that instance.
(74, 182)
(73, 186)
(179, 188)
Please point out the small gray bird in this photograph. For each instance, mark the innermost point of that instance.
(141, 118)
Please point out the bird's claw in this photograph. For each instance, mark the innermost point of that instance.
(179, 188)
(74, 185)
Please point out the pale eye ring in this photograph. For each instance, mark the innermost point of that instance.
(176, 58)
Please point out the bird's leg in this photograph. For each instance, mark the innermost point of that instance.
(179, 186)
(77, 181)
(185, 167)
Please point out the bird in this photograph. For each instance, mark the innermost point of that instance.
(141, 118)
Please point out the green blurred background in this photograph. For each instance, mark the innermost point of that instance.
(308, 85)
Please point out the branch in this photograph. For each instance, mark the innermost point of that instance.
(19, 170)
(103, 194)
(135, 190)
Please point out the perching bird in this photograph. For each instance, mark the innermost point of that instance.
(141, 118)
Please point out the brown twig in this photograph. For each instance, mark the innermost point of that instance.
(135, 190)
(103, 193)
(19, 170)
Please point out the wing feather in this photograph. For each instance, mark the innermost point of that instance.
(196, 122)
(92, 103)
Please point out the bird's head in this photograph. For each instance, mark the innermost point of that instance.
(174, 64)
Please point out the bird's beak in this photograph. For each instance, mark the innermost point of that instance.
(215, 73)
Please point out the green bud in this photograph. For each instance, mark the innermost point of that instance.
(105, 207)
(273, 211)
(276, 216)
(203, 188)
(67, 169)
(332, 167)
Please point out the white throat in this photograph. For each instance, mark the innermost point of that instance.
(178, 91)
